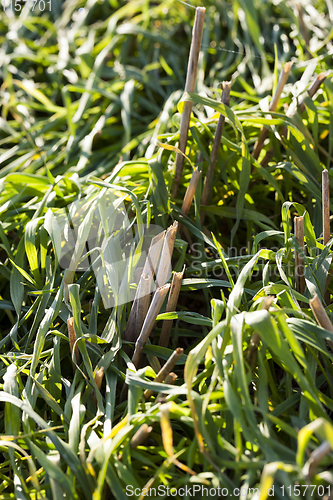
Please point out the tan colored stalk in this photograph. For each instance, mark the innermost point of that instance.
(299, 262)
(171, 306)
(141, 301)
(317, 456)
(98, 380)
(273, 107)
(225, 99)
(149, 322)
(191, 79)
(165, 370)
(311, 91)
(190, 191)
(140, 436)
(164, 267)
(320, 314)
(325, 186)
(139, 309)
(154, 253)
(302, 26)
(72, 342)
(255, 340)
(169, 380)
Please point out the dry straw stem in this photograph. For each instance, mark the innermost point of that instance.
(255, 340)
(191, 79)
(320, 314)
(164, 266)
(317, 456)
(72, 342)
(149, 322)
(319, 79)
(98, 380)
(273, 107)
(141, 301)
(299, 263)
(302, 26)
(225, 99)
(325, 186)
(165, 370)
(171, 306)
(139, 309)
(140, 436)
(154, 253)
(169, 380)
(293, 110)
(190, 191)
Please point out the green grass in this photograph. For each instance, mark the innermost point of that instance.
(88, 94)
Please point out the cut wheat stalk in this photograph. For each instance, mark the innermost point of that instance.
(273, 107)
(139, 309)
(299, 262)
(190, 84)
(316, 457)
(73, 343)
(149, 322)
(141, 301)
(140, 436)
(154, 253)
(225, 99)
(171, 306)
(320, 314)
(164, 267)
(165, 370)
(98, 380)
(311, 91)
(302, 26)
(190, 191)
(170, 379)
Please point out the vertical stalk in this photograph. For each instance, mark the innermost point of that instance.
(164, 266)
(149, 322)
(191, 79)
(190, 191)
(225, 99)
(302, 26)
(320, 314)
(72, 342)
(171, 306)
(141, 301)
